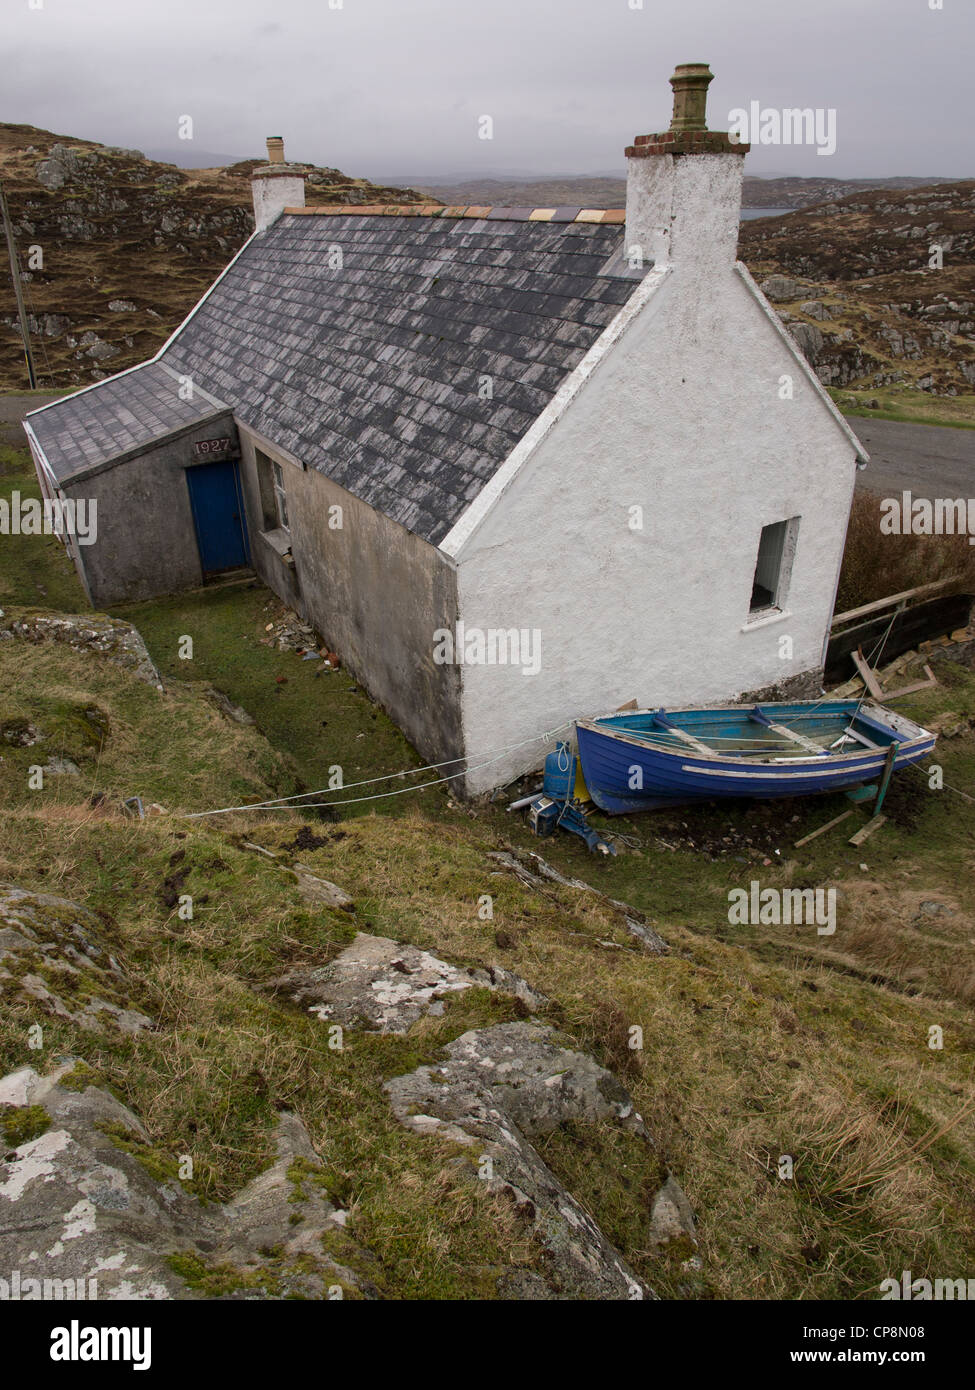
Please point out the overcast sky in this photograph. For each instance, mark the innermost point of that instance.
(384, 88)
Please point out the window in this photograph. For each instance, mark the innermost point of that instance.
(274, 497)
(773, 568)
(280, 498)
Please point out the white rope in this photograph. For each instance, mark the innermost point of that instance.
(285, 803)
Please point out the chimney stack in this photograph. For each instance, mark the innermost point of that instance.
(276, 185)
(683, 186)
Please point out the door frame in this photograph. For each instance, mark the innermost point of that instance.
(241, 512)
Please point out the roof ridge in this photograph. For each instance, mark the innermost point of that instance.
(612, 216)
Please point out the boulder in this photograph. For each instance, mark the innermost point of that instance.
(780, 290)
(384, 986)
(57, 954)
(497, 1090)
(81, 1213)
(112, 638)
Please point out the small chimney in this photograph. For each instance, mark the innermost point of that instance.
(276, 185)
(683, 186)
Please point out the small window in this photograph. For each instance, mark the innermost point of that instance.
(773, 568)
(274, 499)
(280, 497)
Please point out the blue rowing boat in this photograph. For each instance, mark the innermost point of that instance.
(639, 760)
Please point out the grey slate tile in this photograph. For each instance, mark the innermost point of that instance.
(370, 373)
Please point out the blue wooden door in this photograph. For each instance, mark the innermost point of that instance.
(218, 512)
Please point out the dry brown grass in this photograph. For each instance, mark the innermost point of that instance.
(876, 565)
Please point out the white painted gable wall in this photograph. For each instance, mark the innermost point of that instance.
(682, 418)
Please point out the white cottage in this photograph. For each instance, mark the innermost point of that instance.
(516, 465)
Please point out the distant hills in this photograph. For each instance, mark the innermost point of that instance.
(602, 192)
(130, 245)
(859, 287)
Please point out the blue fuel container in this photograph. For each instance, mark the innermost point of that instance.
(560, 773)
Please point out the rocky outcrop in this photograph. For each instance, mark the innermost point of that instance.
(499, 1089)
(83, 1214)
(896, 273)
(118, 641)
(532, 870)
(130, 244)
(384, 986)
(56, 954)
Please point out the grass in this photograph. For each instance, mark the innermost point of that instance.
(906, 406)
(321, 720)
(876, 565)
(34, 570)
(758, 1042)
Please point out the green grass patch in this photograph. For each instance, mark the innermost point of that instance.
(19, 1124)
(906, 407)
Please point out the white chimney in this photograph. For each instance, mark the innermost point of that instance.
(276, 185)
(683, 187)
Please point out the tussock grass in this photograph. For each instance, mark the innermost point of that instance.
(877, 565)
(757, 1041)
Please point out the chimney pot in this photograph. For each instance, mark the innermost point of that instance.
(690, 83)
(276, 185)
(683, 186)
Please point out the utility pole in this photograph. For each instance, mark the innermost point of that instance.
(18, 288)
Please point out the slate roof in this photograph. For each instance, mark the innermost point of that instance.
(374, 371)
(119, 415)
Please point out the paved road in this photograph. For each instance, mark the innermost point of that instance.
(927, 460)
(13, 407)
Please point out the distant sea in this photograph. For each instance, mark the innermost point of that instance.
(750, 214)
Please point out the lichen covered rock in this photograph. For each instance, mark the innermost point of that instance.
(385, 986)
(81, 1210)
(502, 1087)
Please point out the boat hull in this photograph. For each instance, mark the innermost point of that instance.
(624, 773)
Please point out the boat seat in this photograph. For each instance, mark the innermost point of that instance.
(662, 722)
(867, 743)
(760, 717)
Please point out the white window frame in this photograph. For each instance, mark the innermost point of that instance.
(777, 562)
(280, 494)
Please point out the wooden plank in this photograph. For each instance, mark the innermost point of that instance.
(869, 679)
(927, 619)
(873, 824)
(758, 716)
(867, 743)
(663, 722)
(630, 704)
(822, 829)
(918, 685)
(889, 761)
(879, 604)
(807, 743)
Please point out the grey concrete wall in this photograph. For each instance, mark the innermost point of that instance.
(146, 542)
(373, 590)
